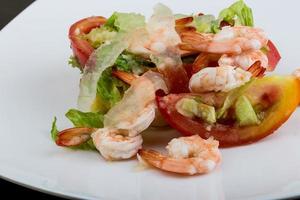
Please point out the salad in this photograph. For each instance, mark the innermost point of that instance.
(201, 75)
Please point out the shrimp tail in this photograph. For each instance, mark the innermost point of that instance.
(74, 136)
(256, 69)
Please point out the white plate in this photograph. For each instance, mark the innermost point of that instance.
(37, 84)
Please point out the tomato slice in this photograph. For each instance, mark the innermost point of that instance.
(273, 56)
(282, 91)
(82, 48)
(86, 25)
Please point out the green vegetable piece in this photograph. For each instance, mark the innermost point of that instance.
(87, 146)
(106, 55)
(239, 13)
(98, 36)
(73, 61)
(204, 23)
(207, 113)
(124, 21)
(110, 23)
(191, 108)
(229, 101)
(187, 107)
(54, 130)
(82, 119)
(131, 63)
(245, 113)
(110, 89)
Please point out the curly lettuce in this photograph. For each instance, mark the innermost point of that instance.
(106, 55)
(80, 119)
(237, 14)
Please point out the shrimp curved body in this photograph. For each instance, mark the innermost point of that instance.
(187, 155)
(223, 78)
(116, 144)
(121, 139)
(136, 110)
(245, 59)
(230, 40)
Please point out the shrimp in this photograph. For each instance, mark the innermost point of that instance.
(120, 138)
(230, 40)
(159, 41)
(74, 136)
(117, 144)
(223, 78)
(245, 59)
(186, 155)
(137, 108)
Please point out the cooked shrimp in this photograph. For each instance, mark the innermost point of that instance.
(245, 59)
(223, 78)
(230, 40)
(121, 139)
(136, 110)
(74, 136)
(117, 144)
(159, 41)
(187, 155)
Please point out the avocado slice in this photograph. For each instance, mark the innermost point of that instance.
(207, 113)
(187, 107)
(192, 108)
(245, 113)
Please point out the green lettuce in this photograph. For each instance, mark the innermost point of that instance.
(54, 130)
(237, 14)
(73, 61)
(245, 113)
(133, 64)
(82, 119)
(204, 23)
(125, 21)
(106, 55)
(85, 119)
(110, 90)
(99, 36)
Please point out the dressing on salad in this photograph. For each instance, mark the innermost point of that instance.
(200, 74)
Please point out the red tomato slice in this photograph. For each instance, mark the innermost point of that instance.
(275, 89)
(273, 56)
(86, 25)
(81, 48)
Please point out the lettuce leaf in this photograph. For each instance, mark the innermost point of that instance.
(110, 90)
(131, 63)
(88, 119)
(204, 23)
(54, 130)
(124, 21)
(106, 55)
(237, 14)
(99, 36)
(88, 145)
(80, 119)
(73, 61)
